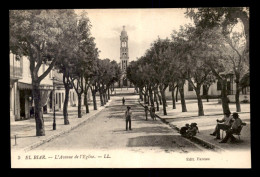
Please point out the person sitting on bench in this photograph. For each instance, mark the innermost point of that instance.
(223, 126)
(235, 128)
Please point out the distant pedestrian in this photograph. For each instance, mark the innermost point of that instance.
(123, 101)
(146, 111)
(152, 112)
(128, 115)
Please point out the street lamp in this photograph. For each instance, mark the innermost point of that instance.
(54, 118)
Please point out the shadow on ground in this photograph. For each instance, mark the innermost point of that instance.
(147, 130)
(174, 142)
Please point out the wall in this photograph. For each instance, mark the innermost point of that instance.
(187, 94)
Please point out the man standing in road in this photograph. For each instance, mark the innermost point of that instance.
(123, 101)
(128, 115)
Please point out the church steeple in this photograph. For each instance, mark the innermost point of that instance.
(124, 50)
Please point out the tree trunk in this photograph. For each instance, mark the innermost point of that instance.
(145, 99)
(108, 94)
(79, 106)
(224, 97)
(200, 104)
(104, 97)
(177, 94)
(173, 99)
(183, 103)
(151, 97)
(207, 93)
(86, 101)
(94, 99)
(237, 97)
(101, 99)
(141, 94)
(40, 131)
(164, 102)
(65, 106)
(160, 98)
(156, 101)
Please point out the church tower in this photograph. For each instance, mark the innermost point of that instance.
(124, 57)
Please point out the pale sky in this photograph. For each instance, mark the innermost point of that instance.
(143, 26)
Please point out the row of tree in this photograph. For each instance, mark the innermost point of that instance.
(62, 40)
(212, 49)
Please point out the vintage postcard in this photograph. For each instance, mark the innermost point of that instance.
(130, 88)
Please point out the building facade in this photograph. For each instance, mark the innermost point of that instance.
(124, 58)
(214, 91)
(60, 94)
(16, 72)
(21, 99)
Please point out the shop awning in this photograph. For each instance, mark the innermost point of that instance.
(24, 86)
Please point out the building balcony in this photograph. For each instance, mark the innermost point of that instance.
(15, 72)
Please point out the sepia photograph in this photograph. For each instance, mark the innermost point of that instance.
(130, 88)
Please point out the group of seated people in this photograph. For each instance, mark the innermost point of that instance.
(189, 130)
(230, 124)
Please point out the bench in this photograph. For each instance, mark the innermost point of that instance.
(238, 132)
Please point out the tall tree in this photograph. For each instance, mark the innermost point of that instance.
(221, 16)
(85, 57)
(39, 34)
(160, 62)
(225, 19)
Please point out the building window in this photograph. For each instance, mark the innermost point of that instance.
(21, 65)
(62, 97)
(50, 74)
(219, 85)
(190, 88)
(43, 68)
(29, 71)
(56, 98)
(229, 88)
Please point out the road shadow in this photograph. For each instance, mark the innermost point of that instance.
(146, 130)
(124, 93)
(174, 142)
(143, 121)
